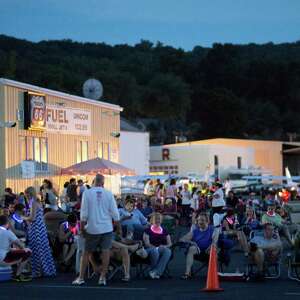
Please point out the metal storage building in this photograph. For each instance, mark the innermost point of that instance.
(54, 130)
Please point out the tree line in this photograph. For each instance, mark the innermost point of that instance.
(234, 91)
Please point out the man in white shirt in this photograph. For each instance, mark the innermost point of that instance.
(10, 255)
(98, 209)
(265, 247)
(218, 204)
(186, 203)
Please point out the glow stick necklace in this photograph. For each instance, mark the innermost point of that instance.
(271, 214)
(156, 229)
(17, 219)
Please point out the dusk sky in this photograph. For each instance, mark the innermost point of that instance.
(183, 24)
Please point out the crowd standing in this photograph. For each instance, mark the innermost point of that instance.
(87, 228)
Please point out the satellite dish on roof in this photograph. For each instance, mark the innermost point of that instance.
(92, 89)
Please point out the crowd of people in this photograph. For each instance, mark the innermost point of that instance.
(85, 227)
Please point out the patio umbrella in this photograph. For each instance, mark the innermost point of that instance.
(97, 165)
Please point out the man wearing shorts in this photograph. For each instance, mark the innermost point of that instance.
(98, 209)
(10, 255)
(265, 247)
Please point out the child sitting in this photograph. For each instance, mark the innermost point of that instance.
(67, 232)
(17, 224)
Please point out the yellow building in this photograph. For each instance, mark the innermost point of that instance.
(53, 130)
(273, 156)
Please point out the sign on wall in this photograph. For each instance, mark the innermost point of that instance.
(34, 111)
(28, 169)
(68, 120)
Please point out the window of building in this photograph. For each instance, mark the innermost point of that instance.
(23, 148)
(99, 149)
(106, 151)
(35, 148)
(30, 154)
(44, 154)
(82, 151)
(40, 154)
(239, 162)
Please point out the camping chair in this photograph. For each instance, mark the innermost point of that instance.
(170, 224)
(272, 267)
(6, 269)
(202, 259)
(294, 260)
(293, 268)
(142, 265)
(115, 268)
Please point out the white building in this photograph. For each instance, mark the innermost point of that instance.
(134, 148)
(199, 159)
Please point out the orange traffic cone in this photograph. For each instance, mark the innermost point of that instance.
(212, 282)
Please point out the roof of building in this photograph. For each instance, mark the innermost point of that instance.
(228, 140)
(126, 125)
(58, 94)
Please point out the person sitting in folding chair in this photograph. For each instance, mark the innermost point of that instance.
(200, 240)
(232, 231)
(68, 233)
(132, 220)
(121, 251)
(294, 259)
(273, 218)
(12, 256)
(158, 243)
(265, 248)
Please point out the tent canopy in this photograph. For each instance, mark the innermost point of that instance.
(97, 165)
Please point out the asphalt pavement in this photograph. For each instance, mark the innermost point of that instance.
(163, 289)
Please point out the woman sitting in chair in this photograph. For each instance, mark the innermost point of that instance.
(250, 221)
(158, 242)
(231, 230)
(121, 250)
(200, 240)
